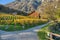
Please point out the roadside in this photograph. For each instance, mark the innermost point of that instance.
(43, 33)
(30, 34)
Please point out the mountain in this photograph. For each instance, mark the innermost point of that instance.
(8, 10)
(27, 6)
(34, 8)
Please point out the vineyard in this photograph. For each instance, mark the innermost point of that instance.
(17, 22)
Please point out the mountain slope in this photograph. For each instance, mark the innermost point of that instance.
(8, 10)
(25, 5)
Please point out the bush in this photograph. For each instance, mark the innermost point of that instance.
(55, 28)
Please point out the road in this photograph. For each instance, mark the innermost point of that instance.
(29, 34)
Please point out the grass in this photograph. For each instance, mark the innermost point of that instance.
(42, 34)
(10, 27)
(18, 27)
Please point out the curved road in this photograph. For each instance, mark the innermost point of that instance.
(29, 34)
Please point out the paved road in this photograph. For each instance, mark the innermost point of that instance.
(29, 34)
(20, 36)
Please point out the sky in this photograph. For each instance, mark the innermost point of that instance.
(5, 1)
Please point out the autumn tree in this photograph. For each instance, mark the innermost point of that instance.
(51, 9)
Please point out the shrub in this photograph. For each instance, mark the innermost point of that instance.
(55, 28)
